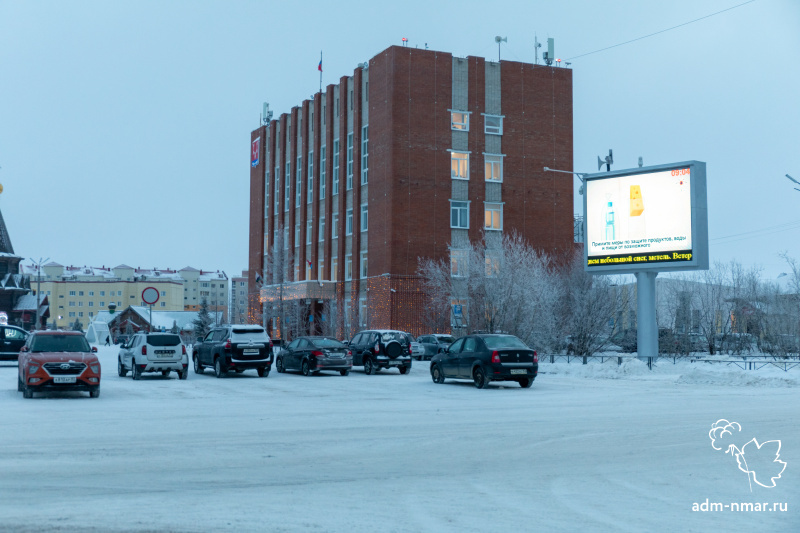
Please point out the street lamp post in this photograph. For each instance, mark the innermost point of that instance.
(38, 288)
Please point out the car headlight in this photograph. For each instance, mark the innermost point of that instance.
(32, 369)
(95, 368)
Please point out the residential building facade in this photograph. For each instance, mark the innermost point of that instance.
(239, 299)
(415, 155)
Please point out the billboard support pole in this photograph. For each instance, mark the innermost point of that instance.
(646, 328)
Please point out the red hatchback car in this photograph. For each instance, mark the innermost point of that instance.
(58, 361)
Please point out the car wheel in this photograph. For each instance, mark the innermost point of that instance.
(479, 377)
(369, 368)
(218, 370)
(436, 374)
(121, 371)
(165, 373)
(305, 368)
(262, 371)
(526, 383)
(94, 393)
(198, 368)
(183, 374)
(279, 365)
(404, 369)
(26, 392)
(136, 370)
(345, 372)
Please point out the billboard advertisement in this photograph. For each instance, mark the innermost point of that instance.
(652, 218)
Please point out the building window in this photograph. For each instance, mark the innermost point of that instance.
(493, 167)
(277, 188)
(72, 314)
(320, 268)
(163, 293)
(348, 267)
(297, 235)
(80, 293)
(91, 313)
(287, 186)
(364, 218)
(493, 216)
(308, 231)
(349, 161)
(459, 214)
(72, 293)
(310, 193)
(102, 293)
(80, 313)
(299, 184)
(458, 263)
(119, 293)
(204, 284)
(492, 261)
(102, 304)
(334, 268)
(349, 223)
(459, 120)
(363, 265)
(322, 173)
(285, 238)
(308, 269)
(459, 165)
(91, 293)
(362, 311)
(80, 304)
(335, 226)
(336, 166)
(493, 124)
(364, 154)
(163, 304)
(71, 304)
(91, 304)
(322, 229)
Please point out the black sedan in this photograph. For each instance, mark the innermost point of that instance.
(487, 357)
(12, 339)
(312, 354)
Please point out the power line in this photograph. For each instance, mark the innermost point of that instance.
(660, 31)
(756, 233)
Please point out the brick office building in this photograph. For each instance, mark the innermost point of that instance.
(415, 155)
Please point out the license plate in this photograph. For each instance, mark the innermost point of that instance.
(250, 352)
(164, 352)
(64, 379)
(519, 371)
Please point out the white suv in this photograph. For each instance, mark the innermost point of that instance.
(153, 352)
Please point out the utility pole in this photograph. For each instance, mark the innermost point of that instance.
(38, 288)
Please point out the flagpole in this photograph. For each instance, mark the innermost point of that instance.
(320, 71)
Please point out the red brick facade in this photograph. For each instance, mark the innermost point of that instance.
(407, 108)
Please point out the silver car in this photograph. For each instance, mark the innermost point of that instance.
(433, 344)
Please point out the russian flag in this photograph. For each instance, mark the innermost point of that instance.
(319, 68)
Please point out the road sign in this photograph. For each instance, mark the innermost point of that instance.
(457, 310)
(150, 295)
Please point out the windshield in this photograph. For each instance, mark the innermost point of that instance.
(60, 343)
(328, 343)
(163, 340)
(504, 341)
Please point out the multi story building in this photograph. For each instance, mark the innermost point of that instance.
(416, 155)
(79, 293)
(239, 299)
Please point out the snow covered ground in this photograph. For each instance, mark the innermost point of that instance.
(587, 448)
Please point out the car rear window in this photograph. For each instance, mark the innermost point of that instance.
(249, 334)
(163, 340)
(450, 340)
(504, 341)
(402, 338)
(328, 343)
(60, 343)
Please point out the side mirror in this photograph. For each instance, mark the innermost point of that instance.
(199, 339)
(24, 349)
(94, 349)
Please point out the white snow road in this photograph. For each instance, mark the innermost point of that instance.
(576, 452)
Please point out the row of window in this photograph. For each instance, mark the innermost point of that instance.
(492, 166)
(459, 258)
(102, 293)
(492, 215)
(348, 229)
(492, 124)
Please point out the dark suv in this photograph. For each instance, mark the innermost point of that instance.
(236, 347)
(382, 348)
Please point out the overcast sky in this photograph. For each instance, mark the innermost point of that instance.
(125, 126)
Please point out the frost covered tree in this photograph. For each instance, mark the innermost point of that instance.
(202, 324)
(278, 272)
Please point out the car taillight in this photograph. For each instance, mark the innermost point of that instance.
(144, 350)
(183, 349)
(228, 345)
(495, 356)
(535, 357)
(349, 353)
(377, 349)
(410, 351)
(317, 353)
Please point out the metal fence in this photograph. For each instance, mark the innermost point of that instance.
(744, 362)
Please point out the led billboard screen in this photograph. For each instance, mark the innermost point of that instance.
(647, 219)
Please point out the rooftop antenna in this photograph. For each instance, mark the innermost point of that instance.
(641, 161)
(550, 55)
(405, 41)
(498, 40)
(607, 162)
(536, 46)
(266, 114)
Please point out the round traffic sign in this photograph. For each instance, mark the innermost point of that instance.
(150, 295)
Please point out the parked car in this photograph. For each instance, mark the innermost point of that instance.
(122, 339)
(277, 347)
(432, 344)
(236, 347)
(310, 355)
(487, 357)
(12, 339)
(382, 348)
(153, 352)
(58, 361)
